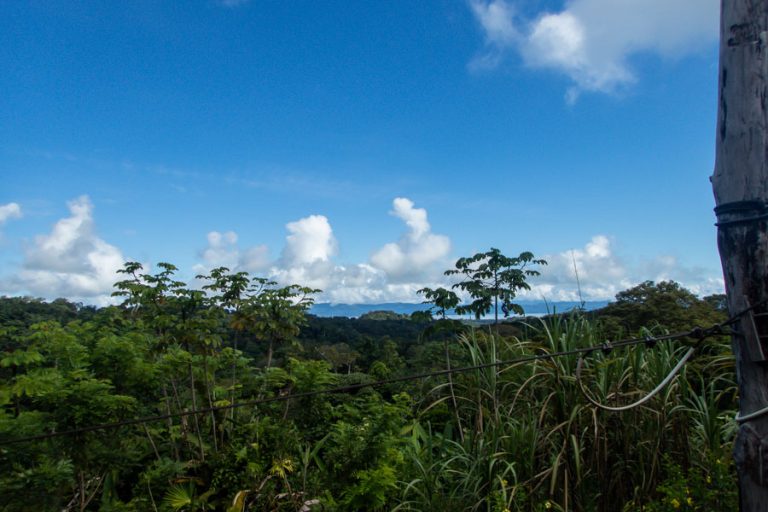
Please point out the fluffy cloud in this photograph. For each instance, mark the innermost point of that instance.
(71, 261)
(393, 274)
(496, 18)
(398, 269)
(591, 41)
(9, 211)
(311, 240)
(306, 257)
(417, 252)
(222, 251)
(600, 274)
(696, 279)
(594, 268)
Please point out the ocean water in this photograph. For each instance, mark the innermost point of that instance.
(532, 308)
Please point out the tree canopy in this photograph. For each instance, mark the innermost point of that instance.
(492, 280)
(228, 427)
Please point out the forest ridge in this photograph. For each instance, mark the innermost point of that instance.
(518, 437)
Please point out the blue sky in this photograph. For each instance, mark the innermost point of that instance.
(359, 147)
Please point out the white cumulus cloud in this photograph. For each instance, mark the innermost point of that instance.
(71, 261)
(594, 267)
(9, 211)
(596, 272)
(696, 279)
(222, 251)
(311, 239)
(398, 269)
(417, 252)
(308, 258)
(591, 41)
(496, 18)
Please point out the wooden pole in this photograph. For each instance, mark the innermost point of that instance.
(740, 185)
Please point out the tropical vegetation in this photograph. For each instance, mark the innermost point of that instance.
(230, 379)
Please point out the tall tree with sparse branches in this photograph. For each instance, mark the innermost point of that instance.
(492, 280)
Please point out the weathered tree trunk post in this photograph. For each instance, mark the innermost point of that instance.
(740, 185)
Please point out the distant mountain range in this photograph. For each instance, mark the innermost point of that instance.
(535, 308)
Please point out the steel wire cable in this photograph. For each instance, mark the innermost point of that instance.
(697, 333)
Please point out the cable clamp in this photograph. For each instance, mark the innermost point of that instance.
(698, 333)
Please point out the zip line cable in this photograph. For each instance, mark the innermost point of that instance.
(697, 332)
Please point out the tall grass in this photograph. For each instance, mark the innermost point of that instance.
(532, 442)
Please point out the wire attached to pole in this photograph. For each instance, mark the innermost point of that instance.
(747, 417)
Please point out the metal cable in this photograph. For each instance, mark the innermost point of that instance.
(340, 389)
(640, 402)
(696, 332)
(756, 414)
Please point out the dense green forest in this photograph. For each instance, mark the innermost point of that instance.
(510, 437)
